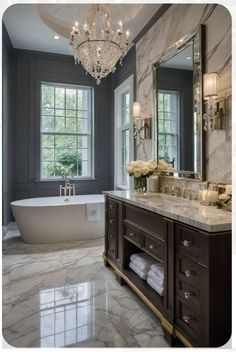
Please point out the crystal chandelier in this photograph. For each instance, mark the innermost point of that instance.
(97, 46)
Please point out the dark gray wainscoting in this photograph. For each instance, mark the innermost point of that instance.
(32, 68)
(8, 74)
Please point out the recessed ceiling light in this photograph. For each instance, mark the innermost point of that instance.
(188, 58)
(56, 37)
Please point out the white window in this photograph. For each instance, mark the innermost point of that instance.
(66, 131)
(168, 127)
(123, 132)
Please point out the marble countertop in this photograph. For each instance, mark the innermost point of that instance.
(207, 218)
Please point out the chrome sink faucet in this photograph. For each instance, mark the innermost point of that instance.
(68, 188)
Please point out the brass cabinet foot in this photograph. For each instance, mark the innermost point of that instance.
(172, 340)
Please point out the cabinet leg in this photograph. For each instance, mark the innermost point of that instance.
(120, 280)
(173, 341)
(105, 260)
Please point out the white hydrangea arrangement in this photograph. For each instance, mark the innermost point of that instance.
(140, 168)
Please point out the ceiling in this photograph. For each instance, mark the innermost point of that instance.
(183, 60)
(33, 27)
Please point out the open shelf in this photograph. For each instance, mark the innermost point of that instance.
(143, 286)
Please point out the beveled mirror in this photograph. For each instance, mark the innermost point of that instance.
(178, 131)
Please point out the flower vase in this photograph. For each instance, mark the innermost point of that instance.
(140, 184)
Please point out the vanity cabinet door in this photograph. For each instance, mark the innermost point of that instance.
(114, 229)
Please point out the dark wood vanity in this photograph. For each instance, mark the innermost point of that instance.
(196, 306)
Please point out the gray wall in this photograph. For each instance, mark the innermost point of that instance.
(7, 125)
(21, 111)
(32, 68)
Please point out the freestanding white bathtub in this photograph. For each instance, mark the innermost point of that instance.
(59, 219)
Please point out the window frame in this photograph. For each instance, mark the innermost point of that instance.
(91, 133)
(127, 85)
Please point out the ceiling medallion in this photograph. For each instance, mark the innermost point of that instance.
(96, 45)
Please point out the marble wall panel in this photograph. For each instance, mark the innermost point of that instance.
(179, 20)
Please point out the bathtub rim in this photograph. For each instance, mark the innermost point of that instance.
(16, 203)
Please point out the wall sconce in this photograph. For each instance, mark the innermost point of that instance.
(142, 126)
(213, 119)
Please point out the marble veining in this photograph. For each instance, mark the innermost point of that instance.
(179, 20)
(207, 218)
(58, 295)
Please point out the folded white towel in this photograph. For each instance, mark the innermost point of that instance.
(139, 272)
(143, 261)
(158, 269)
(155, 278)
(93, 211)
(155, 286)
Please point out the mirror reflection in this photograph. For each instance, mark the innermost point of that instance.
(175, 110)
(179, 108)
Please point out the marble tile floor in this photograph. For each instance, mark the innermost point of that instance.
(61, 295)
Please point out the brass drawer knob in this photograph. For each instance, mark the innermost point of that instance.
(131, 234)
(152, 246)
(111, 221)
(186, 243)
(188, 294)
(187, 318)
(188, 273)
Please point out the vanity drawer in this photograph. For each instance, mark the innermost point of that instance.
(192, 243)
(147, 221)
(188, 294)
(187, 320)
(133, 234)
(187, 270)
(111, 209)
(153, 245)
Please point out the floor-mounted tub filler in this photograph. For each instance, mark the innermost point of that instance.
(60, 219)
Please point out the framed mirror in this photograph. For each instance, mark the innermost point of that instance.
(178, 131)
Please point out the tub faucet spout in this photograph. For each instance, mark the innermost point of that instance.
(68, 188)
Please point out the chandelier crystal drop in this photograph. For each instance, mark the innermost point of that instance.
(96, 45)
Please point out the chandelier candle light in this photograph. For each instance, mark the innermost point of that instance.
(96, 45)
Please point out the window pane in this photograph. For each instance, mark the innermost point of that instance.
(60, 124)
(47, 154)
(47, 124)
(70, 125)
(47, 96)
(65, 141)
(47, 141)
(60, 112)
(47, 111)
(70, 99)
(60, 97)
(65, 118)
(71, 113)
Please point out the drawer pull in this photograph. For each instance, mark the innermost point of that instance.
(186, 243)
(111, 236)
(111, 206)
(188, 273)
(111, 221)
(187, 318)
(188, 294)
(131, 234)
(152, 246)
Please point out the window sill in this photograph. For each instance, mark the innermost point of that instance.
(61, 180)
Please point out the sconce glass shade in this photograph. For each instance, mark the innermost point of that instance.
(136, 110)
(210, 85)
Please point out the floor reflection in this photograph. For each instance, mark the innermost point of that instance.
(66, 315)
